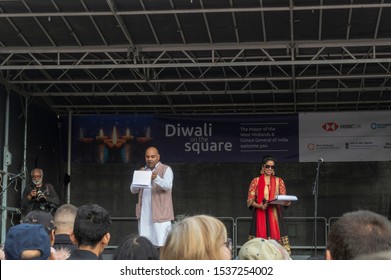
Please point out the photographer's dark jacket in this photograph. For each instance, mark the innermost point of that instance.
(51, 203)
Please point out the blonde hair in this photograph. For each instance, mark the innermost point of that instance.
(195, 238)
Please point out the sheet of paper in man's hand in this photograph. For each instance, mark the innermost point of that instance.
(142, 179)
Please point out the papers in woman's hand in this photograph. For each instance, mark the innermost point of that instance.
(142, 179)
(281, 199)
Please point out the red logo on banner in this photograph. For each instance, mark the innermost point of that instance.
(330, 126)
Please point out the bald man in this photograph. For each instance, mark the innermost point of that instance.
(154, 209)
(64, 220)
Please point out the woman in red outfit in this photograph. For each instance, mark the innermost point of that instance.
(263, 189)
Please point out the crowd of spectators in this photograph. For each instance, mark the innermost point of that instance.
(84, 232)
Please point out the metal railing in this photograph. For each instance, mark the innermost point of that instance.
(236, 226)
(299, 222)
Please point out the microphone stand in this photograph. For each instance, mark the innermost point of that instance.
(315, 190)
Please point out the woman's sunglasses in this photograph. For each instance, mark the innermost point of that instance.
(267, 166)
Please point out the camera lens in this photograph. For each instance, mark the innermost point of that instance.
(40, 197)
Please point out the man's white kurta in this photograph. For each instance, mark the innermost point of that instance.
(155, 232)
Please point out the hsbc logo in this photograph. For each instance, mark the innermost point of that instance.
(330, 126)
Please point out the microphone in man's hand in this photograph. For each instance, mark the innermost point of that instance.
(144, 168)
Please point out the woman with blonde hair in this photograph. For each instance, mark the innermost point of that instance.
(200, 237)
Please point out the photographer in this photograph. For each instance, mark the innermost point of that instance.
(39, 196)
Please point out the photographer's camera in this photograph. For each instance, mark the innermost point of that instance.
(40, 197)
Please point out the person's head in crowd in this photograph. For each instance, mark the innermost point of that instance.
(27, 242)
(198, 237)
(134, 247)
(262, 249)
(384, 255)
(64, 218)
(357, 233)
(43, 218)
(47, 220)
(91, 228)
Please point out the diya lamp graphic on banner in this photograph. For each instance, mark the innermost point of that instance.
(147, 137)
(115, 145)
(102, 150)
(114, 142)
(127, 150)
(82, 138)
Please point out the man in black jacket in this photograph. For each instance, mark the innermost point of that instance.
(90, 232)
(39, 195)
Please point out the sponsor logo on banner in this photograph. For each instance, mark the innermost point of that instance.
(311, 146)
(332, 126)
(380, 125)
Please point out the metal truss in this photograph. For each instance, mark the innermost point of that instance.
(200, 78)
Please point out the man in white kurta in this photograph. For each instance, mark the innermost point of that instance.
(154, 208)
